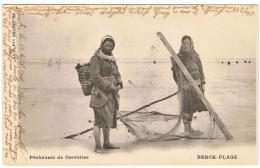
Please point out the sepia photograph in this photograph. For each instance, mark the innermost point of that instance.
(130, 84)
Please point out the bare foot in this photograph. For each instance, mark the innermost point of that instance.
(185, 133)
(110, 146)
(100, 151)
(195, 132)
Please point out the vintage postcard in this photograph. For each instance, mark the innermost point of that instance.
(130, 84)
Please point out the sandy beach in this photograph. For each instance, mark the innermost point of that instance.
(55, 106)
(42, 44)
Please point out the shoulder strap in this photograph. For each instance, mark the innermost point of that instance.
(95, 56)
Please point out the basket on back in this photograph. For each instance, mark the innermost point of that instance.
(84, 78)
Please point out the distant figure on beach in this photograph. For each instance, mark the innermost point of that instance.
(190, 102)
(107, 82)
(154, 62)
(237, 62)
(228, 63)
(245, 61)
(249, 62)
(222, 62)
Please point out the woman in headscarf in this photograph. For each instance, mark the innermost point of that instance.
(190, 102)
(107, 82)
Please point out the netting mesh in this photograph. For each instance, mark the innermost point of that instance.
(147, 126)
(156, 126)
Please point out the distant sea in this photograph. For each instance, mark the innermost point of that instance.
(231, 90)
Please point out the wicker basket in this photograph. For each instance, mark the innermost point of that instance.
(84, 78)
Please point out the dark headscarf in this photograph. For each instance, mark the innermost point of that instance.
(191, 44)
(187, 56)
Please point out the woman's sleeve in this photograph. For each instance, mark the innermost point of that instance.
(201, 70)
(174, 70)
(118, 77)
(96, 78)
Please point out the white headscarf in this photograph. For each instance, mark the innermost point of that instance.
(107, 37)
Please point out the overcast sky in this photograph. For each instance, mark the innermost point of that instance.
(78, 36)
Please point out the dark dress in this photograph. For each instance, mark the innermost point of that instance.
(190, 101)
(104, 101)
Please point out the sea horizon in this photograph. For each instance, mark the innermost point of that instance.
(125, 60)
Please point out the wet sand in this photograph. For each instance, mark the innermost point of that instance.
(55, 107)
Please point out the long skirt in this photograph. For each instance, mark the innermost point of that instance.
(191, 103)
(106, 117)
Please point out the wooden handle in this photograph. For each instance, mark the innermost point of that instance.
(219, 122)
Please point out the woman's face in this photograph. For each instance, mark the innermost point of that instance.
(186, 44)
(107, 47)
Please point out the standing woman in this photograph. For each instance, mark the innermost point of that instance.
(107, 82)
(190, 102)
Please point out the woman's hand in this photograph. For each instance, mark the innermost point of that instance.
(119, 86)
(115, 89)
(203, 87)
